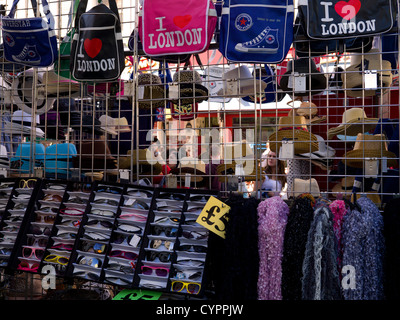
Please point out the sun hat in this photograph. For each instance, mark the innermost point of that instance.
(345, 186)
(353, 77)
(121, 125)
(153, 90)
(195, 167)
(323, 157)
(21, 123)
(23, 93)
(308, 110)
(107, 124)
(310, 186)
(308, 68)
(148, 165)
(54, 85)
(293, 128)
(23, 162)
(369, 146)
(190, 87)
(240, 82)
(354, 121)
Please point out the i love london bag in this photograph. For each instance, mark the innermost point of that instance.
(30, 41)
(344, 19)
(170, 27)
(97, 50)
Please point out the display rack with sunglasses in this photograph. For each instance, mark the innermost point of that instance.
(15, 219)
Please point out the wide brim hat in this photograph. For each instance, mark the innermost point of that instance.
(309, 110)
(108, 124)
(147, 165)
(154, 94)
(354, 121)
(54, 85)
(194, 167)
(21, 123)
(369, 146)
(301, 186)
(122, 125)
(249, 173)
(302, 66)
(345, 186)
(353, 80)
(293, 128)
(23, 94)
(191, 88)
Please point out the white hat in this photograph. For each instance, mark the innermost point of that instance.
(21, 123)
(108, 124)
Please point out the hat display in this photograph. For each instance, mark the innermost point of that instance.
(190, 87)
(293, 128)
(148, 164)
(240, 82)
(306, 186)
(153, 91)
(354, 121)
(353, 79)
(54, 85)
(23, 94)
(21, 123)
(107, 124)
(323, 158)
(369, 146)
(308, 68)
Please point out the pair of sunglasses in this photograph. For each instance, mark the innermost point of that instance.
(172, 196)
(90, 261)
(100, 224)
(94, 247)
(140, 193)
(32, 253)
(106, 201)
(162, 256)
(192, 288)
(168, 231)
(192, 247)
(127, 239)
(124, 254)
(158, 271)
(156, 243)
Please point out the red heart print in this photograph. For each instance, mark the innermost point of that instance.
(182, 21)
(92, 46)
(348, 10)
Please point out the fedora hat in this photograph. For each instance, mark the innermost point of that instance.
(107, 124)
(190, 87)
(195, 167)
(369, 146)
(308, 68)
(293, 128)
(23, 93)
(345, 186)
(54, 85)
(153, 91)
(353, 80)
(323, 157)
(354, 121)
(121, 125)
(308, 110)
(301, 186)
(243, 82)
(148, 164)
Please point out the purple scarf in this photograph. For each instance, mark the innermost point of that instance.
(272, 218)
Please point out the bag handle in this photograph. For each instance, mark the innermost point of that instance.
(13, 9)
(46, 9)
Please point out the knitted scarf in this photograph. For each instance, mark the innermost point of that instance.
(272, 219)
(363, 249)
(295, 238)
(338, 209)
(320, 273)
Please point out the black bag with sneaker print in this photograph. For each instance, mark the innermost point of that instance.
(256, 31)
(97, 51)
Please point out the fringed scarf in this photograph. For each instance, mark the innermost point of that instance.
(272, 219)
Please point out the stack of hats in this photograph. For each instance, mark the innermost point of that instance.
(21, 123)
(372, 147)
(4, 161)
(153, 91)
(293, 128)
(191, 88)
(353, 77)
(354, 121)
(58, 158)
(27, 157)
(322, 158)
(93, 155)
(143, 163)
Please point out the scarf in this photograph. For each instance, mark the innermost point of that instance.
(272, 219)
(338, 209)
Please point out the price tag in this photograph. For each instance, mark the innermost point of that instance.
(287, 150)
(371, 79)
(173, 90)
(300, 83)
(3, 172)
(214, 216)
(124, 174)
(384, 164)
(232, 87)
(140, 92)
(172, 182)
(38, 172)
(187, 180)
(371, 168)
(239, 170)
(134, 241)
(129, 202)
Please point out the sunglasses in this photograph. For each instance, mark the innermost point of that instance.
(137, 204)
(96, 236)
(100, 223)
(89, 261)
(56, 187)
(126, 239)
(190, 275)
(57, 259)
(178, 286)
(72, 212)
(78, 200)
(167, 220)
(19, 206)
(85, 187)
(94, 247)
(158, 271)
(47, 209)
(99, 212)
(53, 198)
(29, 252)
(156, 243)
(37, 241)
(63, 246)
(11, 228)
(129, 228)
(170, 210)
(201, 198)
(30, 183)
(36, 230)
(190, 263)
(195, 248)
(117, 281)
(162, 256)
(5, 251)
(87, 274)
(133, 217)
(124, 254)
(107, 201)
(140, 193)
(71, 223)
(6, 185)
(45, 217)
(168, 231)
(127, 269)
(195, 235)
(66, 234)
(114, 190)
(172, 196)
(28, 266)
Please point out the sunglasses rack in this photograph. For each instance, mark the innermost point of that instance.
(15, 218)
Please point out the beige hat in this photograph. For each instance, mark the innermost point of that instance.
(353, 80)
(354, 121)
(121, 125)
(308, 110)
(294, 128)
(345, 186)
(108, 124)
(369, 146)
(306, 186)
(194, 166)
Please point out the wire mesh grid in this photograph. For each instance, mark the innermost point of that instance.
(329, 128)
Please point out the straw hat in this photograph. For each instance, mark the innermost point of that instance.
(190, 87)
(309, 110)
(121, 125)
(369, 146)
(303, 66)
(354, 121)
(108, 124)
(153, 91)
(345, 186)
(293, 128)
(195, 167)
(353, 80)
(147, 165)
(306, 186)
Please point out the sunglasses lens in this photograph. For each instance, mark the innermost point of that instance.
(193, 288)
(177, 286)
(130, 255)
(26, 252)
(99, 248)
(147, 270)
(161, 272)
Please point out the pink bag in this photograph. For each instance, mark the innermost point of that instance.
(169, 27)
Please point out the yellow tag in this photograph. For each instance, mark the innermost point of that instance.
(213, 216)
